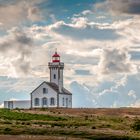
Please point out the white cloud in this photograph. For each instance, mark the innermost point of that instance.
(120, 6)
(34, 14)
(108, 93)
(89, 51)
(116, 61)
(2, 105)
(86, 12)
(132, 94)
(16, 48)
(18, 12)
(136, 104)
(82, 29)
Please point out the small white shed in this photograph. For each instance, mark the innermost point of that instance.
(21, 104)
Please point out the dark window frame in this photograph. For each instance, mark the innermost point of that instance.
(36, 102)
(52, 101)
(54, 76)
(63, 101)
(45, 90)
(67, 103)
(44, 101)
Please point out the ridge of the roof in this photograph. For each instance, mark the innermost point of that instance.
(38, 86)
(54, 87)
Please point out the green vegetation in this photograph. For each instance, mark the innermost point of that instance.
(136, 125)
(61, 122)
(14, 115)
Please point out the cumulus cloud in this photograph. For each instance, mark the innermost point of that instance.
(83, 48)
(135, 104)
(132, 94)
(82, 29)
(17, 47)
(34, 14)
(121, 6)
(87, 51)
(17, 12)
(120, 92)
(115, 61)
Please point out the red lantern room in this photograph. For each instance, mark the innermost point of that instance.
(56, 57)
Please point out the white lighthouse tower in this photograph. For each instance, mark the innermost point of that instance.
(53, 93)
(56, 71)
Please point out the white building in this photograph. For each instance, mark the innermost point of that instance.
(52, 94)
(22, 104)
(47, 94)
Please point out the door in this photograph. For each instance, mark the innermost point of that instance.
(10, 104)
(44, 102)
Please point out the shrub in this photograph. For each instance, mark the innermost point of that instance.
(7, 122)
(93, 127)
(136, 125)
(7, 130)
(86, 117)
(28, 123)
(23, 123)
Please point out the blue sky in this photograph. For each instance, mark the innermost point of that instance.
(98, 41)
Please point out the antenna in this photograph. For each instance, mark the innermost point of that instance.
(55, 50)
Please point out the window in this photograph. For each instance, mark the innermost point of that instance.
(44, 101)
(66, 102)
(52, 101)
(63, 102)
(36, 101)
(45, 90)
(54, 76)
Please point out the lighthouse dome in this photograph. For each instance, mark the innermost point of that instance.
(56, 57)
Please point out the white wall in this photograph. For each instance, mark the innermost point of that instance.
(39, 94)
(21, 104)
(65, 103)
(25, 104)
(57, 69)
(54, 71)
(6, 104)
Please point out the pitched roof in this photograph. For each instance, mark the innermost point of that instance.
(54, 87)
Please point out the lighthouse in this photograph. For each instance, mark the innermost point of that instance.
(52, 93)
(56, 71)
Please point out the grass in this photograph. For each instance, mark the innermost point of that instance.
(7, 114)
(64, 123)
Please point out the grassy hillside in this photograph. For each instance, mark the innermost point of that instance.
(72, 123)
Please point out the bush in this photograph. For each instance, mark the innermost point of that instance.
(136, 125)
(7, 122)
(23, 123)
(93, 127)
(7, 130)
(86, 117)
(27, 123)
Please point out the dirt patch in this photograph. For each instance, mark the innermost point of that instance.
(89, 111)
(29, 137)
